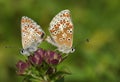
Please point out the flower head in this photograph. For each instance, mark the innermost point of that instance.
(40, 52)
(52, 57)
(22, 67)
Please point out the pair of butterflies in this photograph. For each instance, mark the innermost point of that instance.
(60, 28)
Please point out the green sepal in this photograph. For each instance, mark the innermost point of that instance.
(58, 75)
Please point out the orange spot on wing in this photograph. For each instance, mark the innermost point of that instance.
(25, 27)
(64, 40)
(22, 20)
(23, 30)
(36, 29)
(70, 26)
(58, 24)
(29, 21)
(25, 20)
(60, 15)
(63, 14)
(61, 22)
(67, 42)
(52, 31)
(31, 26)
(67, 23)
(64, 21)
(39, 32)
(67, 15)
(56, 27)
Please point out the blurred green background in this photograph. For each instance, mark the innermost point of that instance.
(96, 37)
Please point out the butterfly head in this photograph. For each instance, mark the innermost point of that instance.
(66, 50)
(72, 50)
(25, 52)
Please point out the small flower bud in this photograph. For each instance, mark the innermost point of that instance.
(22, 67)
(41, 52)
(50, 70)
(35, 59)
(52, 57)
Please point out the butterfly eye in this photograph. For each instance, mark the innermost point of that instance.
(22, 51)
(72, 50)
(25, 52)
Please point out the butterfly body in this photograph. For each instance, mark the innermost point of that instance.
(61, 30)
(32, 35)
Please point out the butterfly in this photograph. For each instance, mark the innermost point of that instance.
(32, 35)
(61, 31)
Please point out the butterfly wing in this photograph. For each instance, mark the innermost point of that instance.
(61, 29)
(31, 33)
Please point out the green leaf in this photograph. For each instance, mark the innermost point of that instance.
(27, 78)
(58, 75)
(60, 80)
